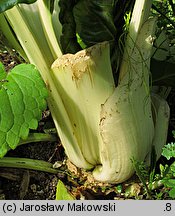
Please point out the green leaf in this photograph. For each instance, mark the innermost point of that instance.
(68, 38)
(169, 183)
(7, 4)
(102, 20)
(23, 98)
(172, 193)
(169, 151)
(95, 21)
(62, 193)
(92, 21)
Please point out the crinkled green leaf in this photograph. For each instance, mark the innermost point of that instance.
(169, 151)
(68, 38)
(169, 183)
(98, 21)
(22, 100)
(92, 21)
(62, 193)
(7, 4)
(95, 21)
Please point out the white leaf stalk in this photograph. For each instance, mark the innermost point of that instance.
(126, 123)
(46, 19)
(161, 115)
(140, 14)
(12, 40)
(84, 81)
(29, 33)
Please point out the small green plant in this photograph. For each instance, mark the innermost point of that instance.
(142, 173)
(163, 178)
(169, 177)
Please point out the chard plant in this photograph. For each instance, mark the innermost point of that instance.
(102, 121)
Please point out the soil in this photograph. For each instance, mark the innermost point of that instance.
(37, 185)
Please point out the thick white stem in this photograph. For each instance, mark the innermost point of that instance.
(140, 14)
(126, 124)
(84, 81)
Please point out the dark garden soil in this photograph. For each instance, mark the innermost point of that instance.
(34, 185)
